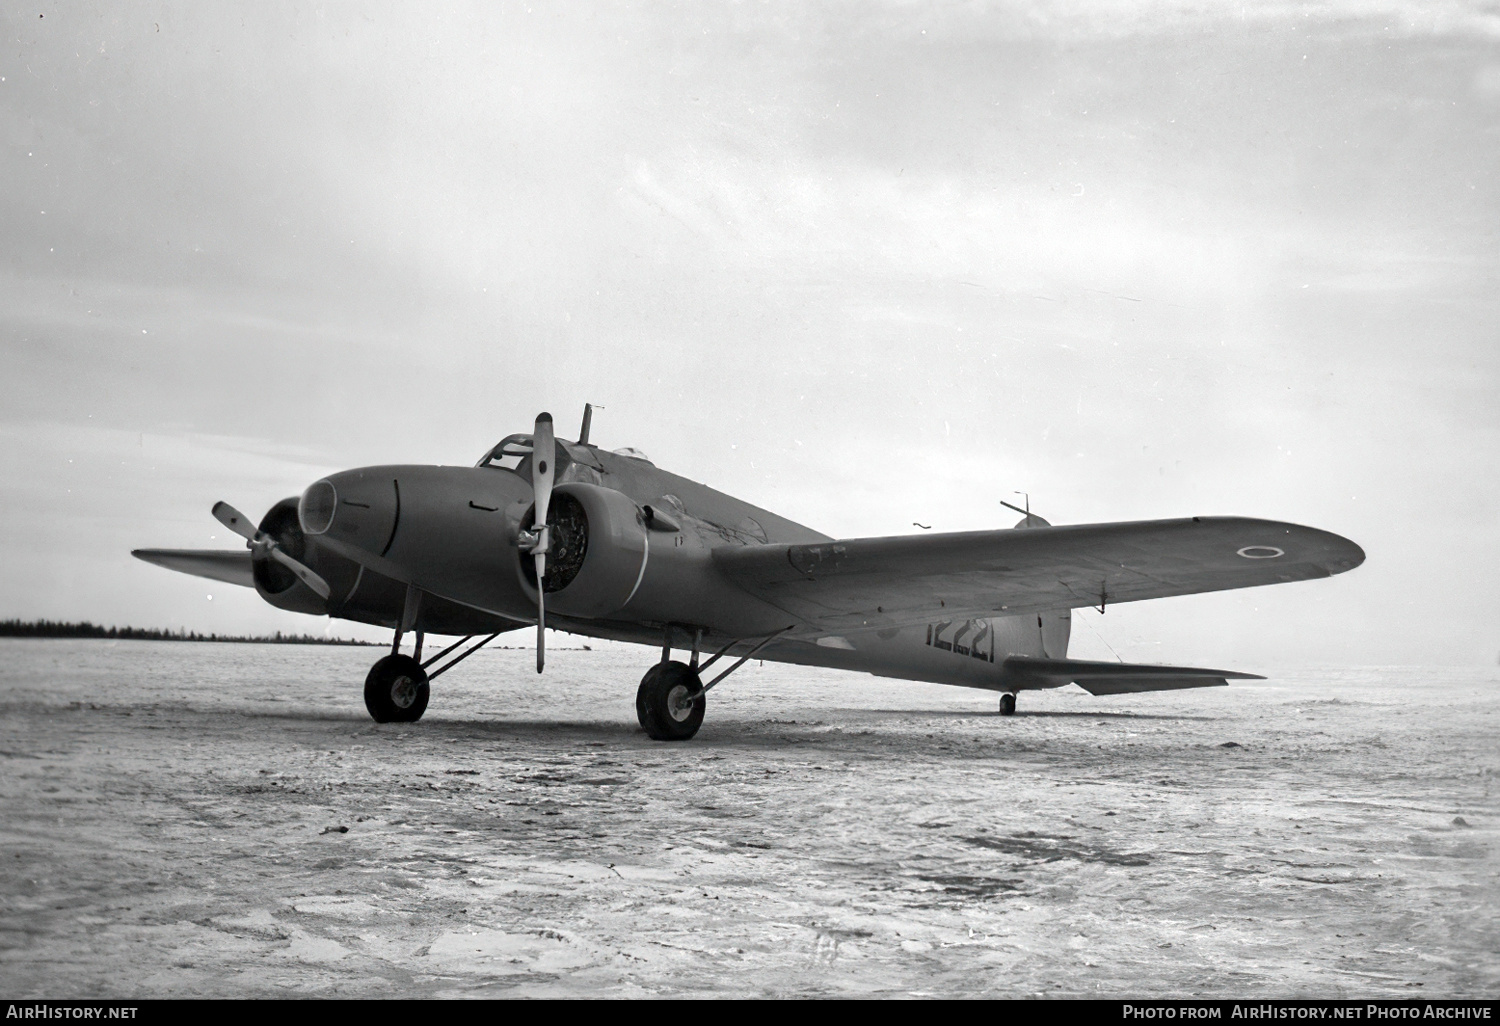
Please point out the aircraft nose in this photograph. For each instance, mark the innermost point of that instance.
(360, 507)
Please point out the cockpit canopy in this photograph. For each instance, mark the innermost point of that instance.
(513, 453)
(509, 454)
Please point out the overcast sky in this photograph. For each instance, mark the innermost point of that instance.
(860, 264)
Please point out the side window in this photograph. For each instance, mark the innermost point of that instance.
(579, 472)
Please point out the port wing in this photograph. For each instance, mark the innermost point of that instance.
(216, 565)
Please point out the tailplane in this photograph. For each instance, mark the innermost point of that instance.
(1023, 673)
(1052, 670)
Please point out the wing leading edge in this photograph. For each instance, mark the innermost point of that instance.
(908, 579)
(1022, 673)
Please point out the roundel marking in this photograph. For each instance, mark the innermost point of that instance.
(1260, 552)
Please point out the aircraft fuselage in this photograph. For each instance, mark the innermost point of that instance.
(451, 532)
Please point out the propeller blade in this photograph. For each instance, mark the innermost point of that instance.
(541, 612)
(236, 521)
(543, 455)
(304, 575)
(264, 544)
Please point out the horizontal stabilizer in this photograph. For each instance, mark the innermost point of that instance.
(1021, 673)
(216, 565)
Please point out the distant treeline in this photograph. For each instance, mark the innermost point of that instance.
(56, 629)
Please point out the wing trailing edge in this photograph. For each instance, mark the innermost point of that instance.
(1022, 673)
(216, 565)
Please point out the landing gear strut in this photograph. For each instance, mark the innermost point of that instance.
(1008, 704)
(396, 687)
(396, 690)
(670, 702)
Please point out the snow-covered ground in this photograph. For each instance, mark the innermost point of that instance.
(197, 819)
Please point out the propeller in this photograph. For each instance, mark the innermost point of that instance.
(537, 541)
(262, 544)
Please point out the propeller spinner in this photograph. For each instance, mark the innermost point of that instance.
(262, 544)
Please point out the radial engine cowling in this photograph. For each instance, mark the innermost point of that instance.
(597, 552)
(278, 585)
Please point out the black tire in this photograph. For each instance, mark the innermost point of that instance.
(396, 690)
(1007, 704)
(659, 702)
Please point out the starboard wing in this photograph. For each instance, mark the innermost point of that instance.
(909, 579)
(216, 565)
(1021, 673)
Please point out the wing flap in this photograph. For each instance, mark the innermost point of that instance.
(216, 565)
(907, 579)
(1021, 673)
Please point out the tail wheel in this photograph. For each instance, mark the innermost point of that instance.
(396, 690)
(664, 703)
(1007, 704)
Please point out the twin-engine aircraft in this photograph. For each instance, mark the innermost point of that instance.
(626, 551)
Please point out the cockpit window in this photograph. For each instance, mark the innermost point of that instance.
(510, 454)
(514, 454)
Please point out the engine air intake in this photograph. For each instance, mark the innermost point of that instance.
(316, 507)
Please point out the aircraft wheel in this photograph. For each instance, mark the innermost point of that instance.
(396, 690)
(1007, 704)
(662, 704)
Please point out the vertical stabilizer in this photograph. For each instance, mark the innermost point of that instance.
(1057, 627)
(1054, 627)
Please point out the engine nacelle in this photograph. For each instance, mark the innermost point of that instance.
(605, 561)
(598, 551)
(278, 585)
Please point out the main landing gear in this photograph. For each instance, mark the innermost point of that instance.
(1008, 704)
(396, 688)
(670, 701)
